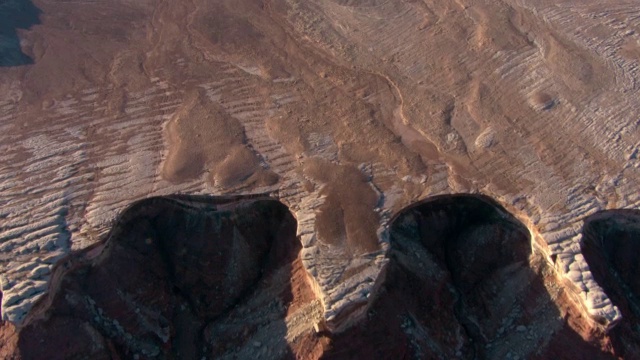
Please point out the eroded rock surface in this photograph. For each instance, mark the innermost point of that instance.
(463, 283)
(191, 277)
(179, 277)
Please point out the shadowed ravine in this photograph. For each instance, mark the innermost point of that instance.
(463, 283)
(187, 277)
(171, 270)
(611, 247)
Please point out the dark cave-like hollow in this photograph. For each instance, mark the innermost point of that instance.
(169, 271)
(462, 282)
(611, 247)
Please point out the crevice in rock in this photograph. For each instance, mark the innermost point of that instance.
(472, 239)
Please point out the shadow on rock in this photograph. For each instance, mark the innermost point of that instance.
(611, 246)
(178, 277)
(463, 283)
(15, 14)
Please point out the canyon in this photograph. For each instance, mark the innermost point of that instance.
(319, 179)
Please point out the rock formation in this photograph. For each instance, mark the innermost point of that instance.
(351, 115)
(180, 277)
(463, 282)
(610, 246)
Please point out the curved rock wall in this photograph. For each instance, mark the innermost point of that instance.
(171, 273)
(189, 277)
(463, 282)
(611, 241)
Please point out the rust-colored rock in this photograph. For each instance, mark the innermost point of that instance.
(170, 273)
(189, 277)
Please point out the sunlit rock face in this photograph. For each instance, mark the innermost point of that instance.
(346, 112)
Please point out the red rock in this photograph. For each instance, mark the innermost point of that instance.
(192, 277)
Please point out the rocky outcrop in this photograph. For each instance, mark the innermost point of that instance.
(611, 244)
(346, 112)
(464, 283)
(171, 273)
(187, 277)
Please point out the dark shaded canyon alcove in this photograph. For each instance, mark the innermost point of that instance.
(171, 269)
(463, 283)
(187, 277)
(611, 247)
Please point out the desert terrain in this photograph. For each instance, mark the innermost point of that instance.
(339, 179)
